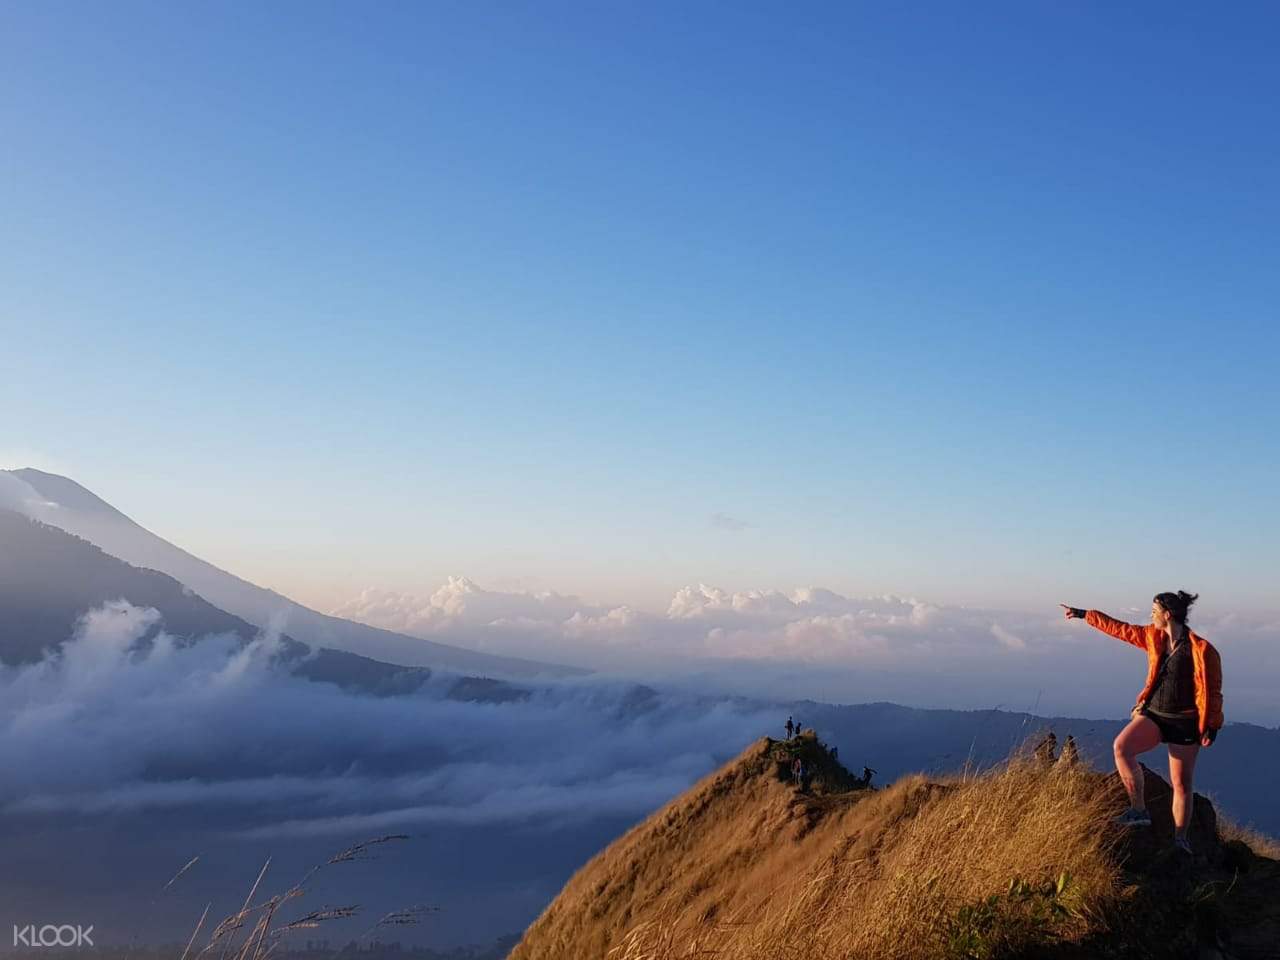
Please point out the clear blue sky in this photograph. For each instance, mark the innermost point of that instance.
(975, 302)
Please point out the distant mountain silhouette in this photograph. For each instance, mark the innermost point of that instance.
(50, 578)
(63, 503)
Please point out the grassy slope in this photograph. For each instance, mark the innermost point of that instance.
(744, 865)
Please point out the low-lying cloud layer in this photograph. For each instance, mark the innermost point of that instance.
(151, 747)
(109, 724)
(126, 718)
(817, 643)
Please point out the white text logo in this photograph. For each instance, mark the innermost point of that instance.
(53, 935)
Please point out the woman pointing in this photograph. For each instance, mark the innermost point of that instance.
(1180, 704)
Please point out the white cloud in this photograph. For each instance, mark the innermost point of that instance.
(815, 635)
(18, 495)
(1010, 640)
(722, 521)
(125, 718)
(810, 623)
(458, 602)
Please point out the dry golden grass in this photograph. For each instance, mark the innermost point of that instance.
(1260, 843)
(744, 868)
(1017, 823)
(262, 919)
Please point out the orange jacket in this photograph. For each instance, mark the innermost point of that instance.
(1149, 637)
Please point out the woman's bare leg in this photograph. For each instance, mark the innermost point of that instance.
(1182, 763)
(1137, 738)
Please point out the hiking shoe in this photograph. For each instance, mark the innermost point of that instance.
(1134, 818)
(1183, 844)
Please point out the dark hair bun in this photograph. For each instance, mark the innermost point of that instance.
(1177, 603)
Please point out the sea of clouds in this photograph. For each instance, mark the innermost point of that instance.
(128, 743)
(816, 643)
(125, 718)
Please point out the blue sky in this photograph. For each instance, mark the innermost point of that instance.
(975, 304)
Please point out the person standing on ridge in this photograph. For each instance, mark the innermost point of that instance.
(1180, 705)
(790, 727)
(1070, 753)
(1046, 750)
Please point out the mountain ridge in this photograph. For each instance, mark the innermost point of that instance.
(1019, 861)
(50, 578)
(62, 502)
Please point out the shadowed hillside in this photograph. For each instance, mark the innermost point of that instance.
(65, 504)
(49, 579)
(1019, 861)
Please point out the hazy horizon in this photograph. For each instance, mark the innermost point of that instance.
(808, 642)
(239, 550)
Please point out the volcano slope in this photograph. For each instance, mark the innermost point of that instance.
(1019, 861)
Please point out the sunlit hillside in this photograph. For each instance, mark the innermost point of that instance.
(1022, 860)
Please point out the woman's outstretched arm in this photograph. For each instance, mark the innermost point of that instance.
(1133, 633)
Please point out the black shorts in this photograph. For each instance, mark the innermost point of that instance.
(1184, 731)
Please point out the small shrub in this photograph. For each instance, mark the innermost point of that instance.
(1004, 923)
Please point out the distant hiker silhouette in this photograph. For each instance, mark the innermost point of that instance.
(799, 728)
(867, 774)
(1070, 755)
(797, 770)
(1180, 704)
(1046, 750)
(790, 728)
(835, 753)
